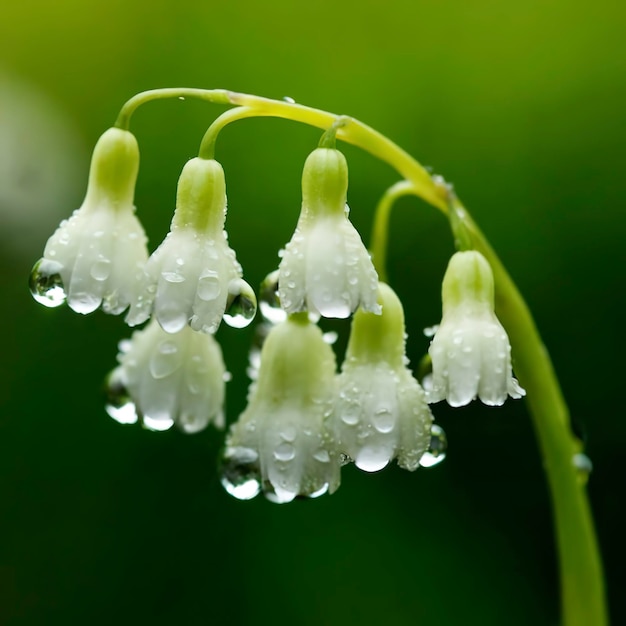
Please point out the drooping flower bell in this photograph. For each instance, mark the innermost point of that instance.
(194, 277)
(381, 411)
(279, 444)
(470, 352)
(97, 256)
(325, 268)
(165, 379)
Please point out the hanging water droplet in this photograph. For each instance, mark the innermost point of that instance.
(157, 424)
(430, 331)
(320, 492)
(45, 283)
(372, 458)
(240, 474)
(241, 304)
(277, 494)
(269, 303)
(208, 286)
(119, 404)
(437, 449)
(583, 466)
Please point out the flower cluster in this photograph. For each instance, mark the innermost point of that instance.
(304, 420)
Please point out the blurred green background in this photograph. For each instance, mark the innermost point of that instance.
(519, 104)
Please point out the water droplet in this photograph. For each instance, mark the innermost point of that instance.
(322, 456)
(101, 269)
(284, 451)
(166, 360)
(157, 424)
(350, 414)
(372, 458)
(431, 330)
(320, 492)
(45, 283)
(583, 466)
(289, 99)
(118, 401)
(173, 277)
(240, 473)
(209, 286)
(241, 304)
(269, 303)
(289, 433)
(437, 449)
(330, 337)
(277, 494)
(383, 420)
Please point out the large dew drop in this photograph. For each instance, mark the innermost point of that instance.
(241, 304)
(437, 449)
(240, 473)
(372, 458)
(119, 405)
(45, 283)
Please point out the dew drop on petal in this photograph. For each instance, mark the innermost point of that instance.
(240, 474)
(437, 449)
(45, 283)
(101, 269)
(241, 304)
(383, 420)
(284, 451)
(166, 360)
(209, 286)
(322, 456)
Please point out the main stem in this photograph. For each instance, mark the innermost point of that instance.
(583, 596)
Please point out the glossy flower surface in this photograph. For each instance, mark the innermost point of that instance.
(96, 257)
(325, 268)
(166, 379)
(470, 352)
(279, 443)
(381, 411)
(194, 277)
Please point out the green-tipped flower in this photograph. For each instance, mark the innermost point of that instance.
(166, 379)
(97, 256)
(279, 443)
(325, 267)
(381, 411)
(194, 277)
(470, 352)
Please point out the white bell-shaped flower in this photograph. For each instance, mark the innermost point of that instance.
(325, 268)
(96, 257)
(165, 379)
(194, 277)
(279, 444)
(470, 352)
(381, 411)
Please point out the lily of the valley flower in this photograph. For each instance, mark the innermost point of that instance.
(97, 256)
(381, 411)
(194, 277)
(168, 379)
(279, 443)
(325, 268)
(470, 352)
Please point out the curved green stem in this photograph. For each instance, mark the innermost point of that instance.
(380, 228)
(583, 597)
(582, 587)
(207, 145)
